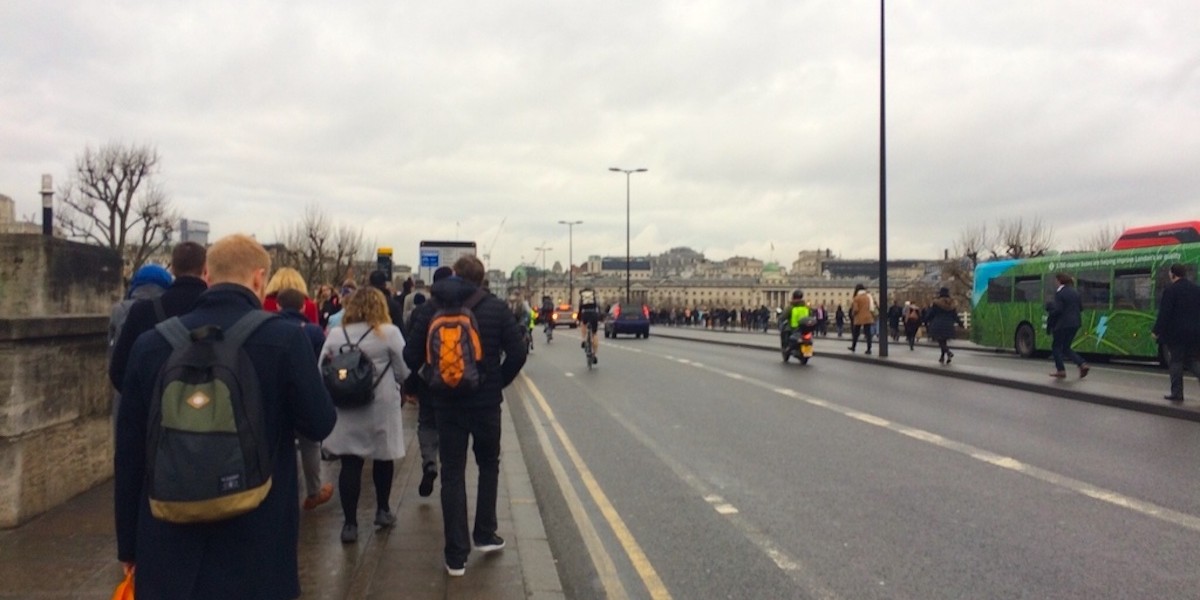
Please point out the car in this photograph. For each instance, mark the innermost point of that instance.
(565, 316)
(619, 321)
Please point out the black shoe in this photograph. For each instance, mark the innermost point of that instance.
(582, 344)
(426, 487)
(594, 359)
(1173, 398)
(949, 355)
(941, 360)
(491, 544)
(851, 348)
(868, 351)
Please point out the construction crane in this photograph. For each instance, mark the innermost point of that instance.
(487, 255)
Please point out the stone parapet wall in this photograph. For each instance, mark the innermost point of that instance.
(55, 401)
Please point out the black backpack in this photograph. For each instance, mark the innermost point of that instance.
(349, 374)
(208, 457)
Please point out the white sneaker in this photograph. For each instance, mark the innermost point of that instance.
(459, 572)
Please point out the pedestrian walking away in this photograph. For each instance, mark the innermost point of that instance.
(427, 434)
(473, 418)
(253, 555)
(1178, 329)
(863, 311)
(1064, 320)
(374, 431)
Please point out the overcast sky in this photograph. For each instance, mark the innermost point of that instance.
(757, 119)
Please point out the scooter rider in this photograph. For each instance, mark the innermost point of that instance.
(796, 313)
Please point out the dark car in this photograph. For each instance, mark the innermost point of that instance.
(636, 321)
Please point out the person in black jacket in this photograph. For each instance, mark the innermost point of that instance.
(253, 555)
(427, 435)
(1178, 327)
(291, 308)
(476, 416)
(187, 264)
(379, 280)
(1064, 321)
(942, 317)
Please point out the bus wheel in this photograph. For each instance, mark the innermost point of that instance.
(1023, 340)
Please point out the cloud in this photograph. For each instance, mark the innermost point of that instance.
(758, 121)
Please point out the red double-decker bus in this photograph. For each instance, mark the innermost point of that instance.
(1159, 235)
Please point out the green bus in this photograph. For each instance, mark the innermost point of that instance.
(1120, 290)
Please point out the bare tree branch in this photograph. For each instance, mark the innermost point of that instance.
(112, 200)
(1103, 238)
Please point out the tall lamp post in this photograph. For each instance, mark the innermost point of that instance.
(570, 257)
(543, 250)
(883, 274)
(627, 172)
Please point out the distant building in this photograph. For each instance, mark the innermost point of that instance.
(191, 230)
(8, 218)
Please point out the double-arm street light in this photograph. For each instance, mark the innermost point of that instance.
(627, 172)
(570, 258)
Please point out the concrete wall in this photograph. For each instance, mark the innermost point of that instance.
(55, 401)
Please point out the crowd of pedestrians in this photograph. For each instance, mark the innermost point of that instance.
(220, 533)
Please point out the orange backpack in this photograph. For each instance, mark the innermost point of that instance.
(453, 350)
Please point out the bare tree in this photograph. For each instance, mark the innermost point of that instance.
(111, 199)
(1018, 239)
(1103, 238)
(320, 250)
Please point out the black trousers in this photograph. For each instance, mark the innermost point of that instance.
(1182, 355)
(455, 427)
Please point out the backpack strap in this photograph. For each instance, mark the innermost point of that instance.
(159, 311)
(240, 331)
(176, 333)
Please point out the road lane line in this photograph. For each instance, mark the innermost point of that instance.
(633, 550)
(792, 567)
(1149, 509)
(606, 570)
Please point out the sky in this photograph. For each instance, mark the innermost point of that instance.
(758, 120)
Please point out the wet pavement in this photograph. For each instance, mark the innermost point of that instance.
(1139, 388)
(70, 552)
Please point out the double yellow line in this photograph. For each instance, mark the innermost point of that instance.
(601, 559)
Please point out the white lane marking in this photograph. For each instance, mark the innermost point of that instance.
(569, 374)
(732, 375)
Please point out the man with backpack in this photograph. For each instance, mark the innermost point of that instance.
(201, 513)
(187, 264)
(458, 350)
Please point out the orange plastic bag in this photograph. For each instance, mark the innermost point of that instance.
(124, 589)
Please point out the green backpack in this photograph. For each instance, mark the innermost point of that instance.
(208, 457)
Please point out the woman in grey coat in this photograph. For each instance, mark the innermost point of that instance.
(374, 431)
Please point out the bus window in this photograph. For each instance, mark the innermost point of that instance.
(1094, 288)
(1000, 290)
(1163, 279)
(1131, 289)
(1028, 289)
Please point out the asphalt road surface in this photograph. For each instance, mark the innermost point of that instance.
(692, 471)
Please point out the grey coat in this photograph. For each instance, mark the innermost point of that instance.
(374, 431)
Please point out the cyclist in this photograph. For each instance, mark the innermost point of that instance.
(524, 316)
(546, 315)
(797, 312)
(589, 319)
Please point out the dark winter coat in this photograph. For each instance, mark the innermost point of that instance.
(943, 316)
(498, 332)
(1178, 321)
(1066, 310)
(314, 333)
(179, 299)
(251, 556)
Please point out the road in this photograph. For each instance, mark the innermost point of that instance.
(684, 470)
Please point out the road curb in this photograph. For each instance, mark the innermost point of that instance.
(1164, 410)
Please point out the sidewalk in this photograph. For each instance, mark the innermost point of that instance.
(70, 552)
(1107, 385)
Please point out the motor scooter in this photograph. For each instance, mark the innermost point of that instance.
(800, 341)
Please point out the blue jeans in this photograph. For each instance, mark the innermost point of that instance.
(1062, 346)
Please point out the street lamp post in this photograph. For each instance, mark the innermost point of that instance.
(883, 271)
(543, 250)
(570, 257)
(627, 172)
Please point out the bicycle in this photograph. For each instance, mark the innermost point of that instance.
(589, 350)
